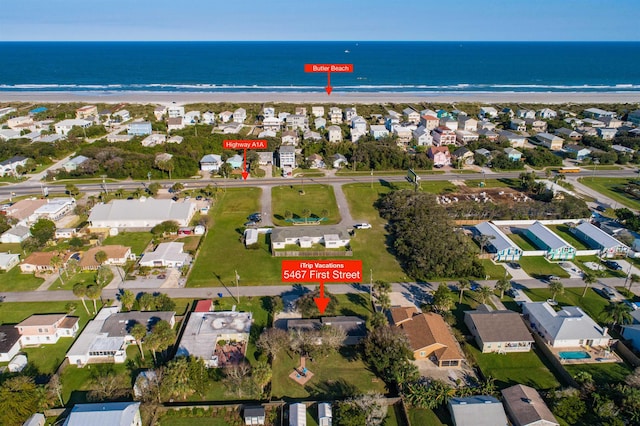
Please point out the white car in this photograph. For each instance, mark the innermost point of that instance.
(363, 225)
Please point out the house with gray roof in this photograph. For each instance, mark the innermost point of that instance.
(545, 239)
(105, 414)
(567, 328)
(354, 327)
(478, 410)
(9, 342)
(526, 407)
(17, 234)
(516, 140)
(502, 248)
(596, 238)
(107, 336)
(307, 236)
(210, 162)
(498, 331)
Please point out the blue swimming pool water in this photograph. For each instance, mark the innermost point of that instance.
(574, 355)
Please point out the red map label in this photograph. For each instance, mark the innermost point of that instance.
(245, 144)
(321, 271)
(328, 67)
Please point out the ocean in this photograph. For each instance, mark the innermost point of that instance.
(407, 67)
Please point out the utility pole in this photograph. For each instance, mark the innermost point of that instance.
(237, 287)
(370, 286)
(371, 178)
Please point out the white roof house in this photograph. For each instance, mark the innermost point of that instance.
(105, 414)
(325, 416)
(570, 327)
(479, 410)
(305, 236)
(17, 234)
(8, 261)
(297, 415)
(596, 238)
(504, 248)
(168, 255)
(64, 126)
(205, 329)
(141, 213)
(55, 208)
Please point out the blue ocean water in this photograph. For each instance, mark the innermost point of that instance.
(279, 66)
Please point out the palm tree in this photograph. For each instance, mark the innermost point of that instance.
(139, 331)
(57, 262)
(463, 285)
(80, 291)
(306, 213)
(502, 285)
(617, 313)
(556, 288)
(127, 298)
(93, 292)
(101, 256)
(588, 279)
(485, 293)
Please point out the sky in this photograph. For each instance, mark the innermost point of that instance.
(358, 20)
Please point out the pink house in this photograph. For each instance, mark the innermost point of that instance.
(440, 155)
(46, 329)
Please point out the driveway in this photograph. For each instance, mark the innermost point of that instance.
(516, 274)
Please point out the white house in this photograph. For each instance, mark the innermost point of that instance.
(159, 112)
(166, 255)
(516, 141)
(335, 134)
(272, 123)
(56, 208)
(8, 261)
(210, 162)
(205, 329)
(74, 162)
(268, 112)
(307, 236)
(422, 136)
(46, 329)
(297, 414)
(64, 126)
(297, 122)
(105, 413)
(191, 117)
(320, 123)
(488, 112)
(335, 115)
(107, 336)
(596, 238)
(225, 116)
(175, 111)
(378, 131)
(317, 111)
(239, 115)
(17, 234)
(411, 115)
(325, 416)
(154, 139)
(477, 410)
(175, 123)
(209, 117)
(144, 213)
(123, 115)
(567, 328)
(10, 166)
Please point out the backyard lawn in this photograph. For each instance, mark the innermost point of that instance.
(14, 280)
(316, 198)
(602, 373)
(45, 358)
(538, 266)
(493, 271)
(335, 376)
(592, 303)
(522, 242)
(424, 416)
(513, 368)
(564, 233)
(138, 241)
(612, 188)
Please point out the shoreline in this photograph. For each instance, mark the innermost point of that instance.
(337, 97)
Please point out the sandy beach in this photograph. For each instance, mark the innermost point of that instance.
(321, 97)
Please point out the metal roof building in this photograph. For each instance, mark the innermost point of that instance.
(596, 238)
(142, 213)
(504, 248)
(546, 239)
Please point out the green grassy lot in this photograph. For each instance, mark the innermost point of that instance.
(86, 278)
(602, 373)
(435, 187)
(315, 198)
(494, 271)
(45, 358)
(335, 376)
(523, 242)
(513, 368)
(14, 280)
(370, 245)
(592, 303)
(612, 188)
(190, 243)
(604, 273)
(537, 266)
(423, 416)
(394, 416)
(222, 252)
(10, 248)
(494, 183)
(138, 241)
(564, 233)
(349, 172)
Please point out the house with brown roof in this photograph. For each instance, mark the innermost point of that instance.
(46, 328)
(41, 261)
(430, 338)
(116, 255)
(525, 407)
(498, 331)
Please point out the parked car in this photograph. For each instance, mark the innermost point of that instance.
(633, 305)
(549, 278)
(612, 265)
(255, 217)
(515, 265)
(363, 225)
(608, 293)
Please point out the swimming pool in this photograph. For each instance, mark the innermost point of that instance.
(574, 355)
